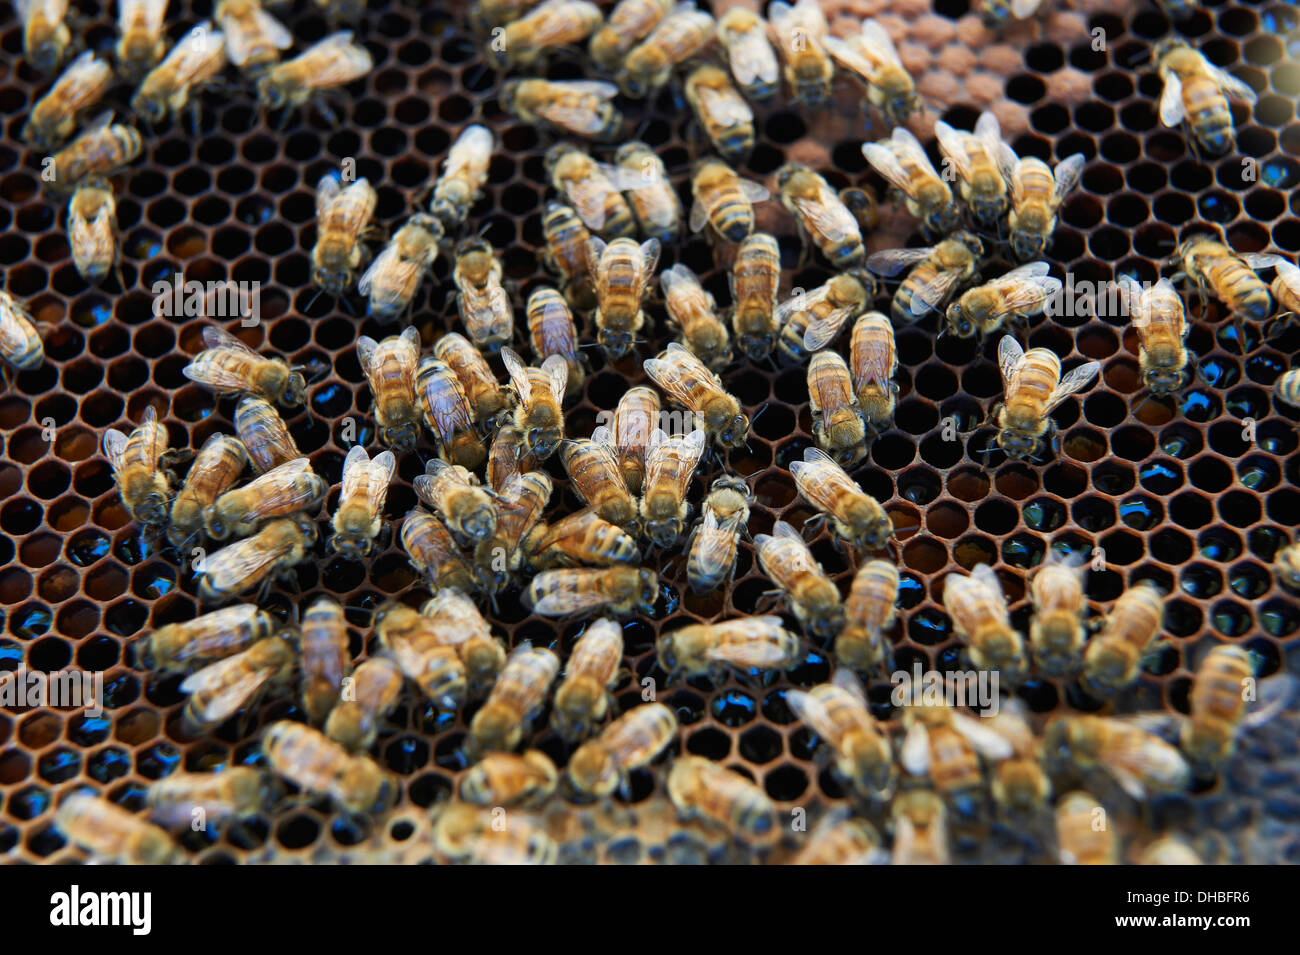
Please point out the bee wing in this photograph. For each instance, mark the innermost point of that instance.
(713, 546)
(914, 754)
(751, 59)
(887, 164)
(784, 531)
(589, 203)
(679, 276)
(562, 592)
(878, 43)
(1231, 86)
(822, 330)
(114, 447)
(1136, 757)
(812, 712)
(1171, 100)
(1275, 695)
(518, 372)
(930, 294)
(846, 680)
(1072, 382)
(366, 347)
(557, 370)
(217, 337)
(216, 675)
(1008, 162)
(356, 213)
(756, 653)
(808, 14)
(327, 190)
(581, 118)
(195, 51)
(893, 261)
(153, 12)
(953, 145)
(874, 369)
(986, 577)
(987, 742)
(988, 130)
(1027, 291)
(1289, 274)
(280, 490)
(829, 215)
(1024, 9)
(687, 449)
(724, 107)
(699, 216)
(448, 410)
(1133, 299)
(849, 57)
(650, 249)
(385, 260)
(816, 476)
(1010, 357)
(754, 191)
(605, 438)
(336, 60)
(266, 28)
(1067, 174)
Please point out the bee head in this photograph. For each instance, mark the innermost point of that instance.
(295, 390)
(542, 442)
(480, 522)
(1027, 245)
(1017, 444)
(734, 433)
(944, 219)
(757, 346)
(1163, 381)
(958, 322)
(401, 438)
(270, 93)
(663, 532)
(150, 109)
(592, 770)
(901, 106)
(615, 342)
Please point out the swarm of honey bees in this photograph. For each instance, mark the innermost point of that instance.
(480, 411)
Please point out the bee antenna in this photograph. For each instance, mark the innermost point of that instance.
(318, 294)
(1140, 58)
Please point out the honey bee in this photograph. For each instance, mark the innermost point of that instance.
(600, 766)
(642, 175)
(263, 434)
(693, 310)
(789, 564)
(812, 320)
(457, 622)
(281, 492)
(519, 509)
(1114, 656)
(446, 410)
(416, 645)
(390, 367)
(578, 590)
(544, 28)
(1286, 562)
(684, 32)
(192, 64)
(360, 512)
(871, 56)
(310, 760)
(943, 747)
(1285, 287)
(629, 22)
(552, 332)
(252, 563)
(464, 172)
(1056, 633)
(45, 35)
(685, 379)
(80, 87)
(713, 548)
(974, 157)
(139, 465)
(1020, 787)
(1034, 386)
(333, 62)
(670, 465)
(838, 422)
(840, 839)
(228, 366)
(507, 457)
(901, 159)
(376, 688)
(1212, 267)
(112, 834)
(801, 32)
(516, 698)
(579, 107)
(20, 345)
(482, 301)
(868, 613)
(754, 279)
(473, 835)
(874, 358)
(623, 271)
(221, 689)
(980, 620)
(584, 538)
(1225, 701)
(1083, 834)
(748, 643)
(723, 200)
(391, 281)
(540, 392)
(700, 788)
(1037, 192)
(486, 396)
(102, 149)
(855, 516)
(454, 494)
(586, 185)
(208, 637)
(92, 230)
(1022, 292)
(940, 270)
(635, 419)
(1141, 762)
(566, 254)
(326, 659)
(822, 219)
(920, 829)
(837, 712)
(343, 218)
(236, 792)
(510, 779)
(582, 701)
(140, 43)
(254, 38)
(1169, 851)
(433, 553)
(748, 52)
(721, 112)
(1197, 91)
(863, 205)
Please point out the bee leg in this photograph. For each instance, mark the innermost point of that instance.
(767, 600)
(1239, 325)
(815, 524)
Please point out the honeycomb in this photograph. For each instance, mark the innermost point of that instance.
(1182, 492)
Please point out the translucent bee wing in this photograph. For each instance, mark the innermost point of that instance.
(751, 59)
(914, 754)
(987, 742)
(753, 191)
(892, 261)
(878, 43)
(953, 145)
(1024, 9)
(384, 261)
(1231, 86)
(605, 438)
(597, 88)
(335, 60)
(1133, 300)
(1171, 100)
(1289, 274)
(585, 118)
(563, 592)
(726, 108)
(986, 577)
(215, 676)
(887, 164)
(822, 330)
(327, 190)
(358, 211)
(1010, 357)
(1072, 382)
(114, 447)
(1027, 271)
(518, 372)
(557, 370)
(650, 249)
(812, 712)
(931, 294)
(988, 130)
(845, 679)
(239, 43)
(1275, 695)
(1008, 163)
(1067, 174)
(596, 247)
(784, 531)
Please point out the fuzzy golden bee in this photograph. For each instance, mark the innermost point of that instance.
(742, 35)
(685, 379)
(869, 611)
(1033, 385)
(193, 63)
(485, 14)
(712, 559)
(552, 332)
(702, 789)
(140, 44)
(623, 272)
(901, 159)
(937, 273)
(542, 30)
(264, 434)
(510, 779)
(812, 320)
(508, 458)
(20, 345)
(45, 34)
(975, 159)
(1020, 786)
(1158, 316)
(855, 516)
(1018, 294)
(1140, 762)
(209, 637)
(871, 56)
(1225, 700)
(516, 699)
(111, 834)
(790, 565)
(873, 358)
(920, 829)
(234, 793)
(723, 200)
(1169, 850)
(359, 517)
(79, 88)
(578, 590)
(228, 366)
(482, 301)
(92, 230)
(307, 758)
(1197, 92)
(1037, 192)
(627, 24)
(288, 489)
(343, 217)
(139, 464)
(566, 254)
(472, 835)
(417, 646)
(390, 367)
(464, 172)
(456, 621)
(838, 422)
(432, 551)
(693, 310)
(446, 410)
(747, 643)
(221, 689)
(721, 112)
(254, 38)
(576, 107)
(376, 689)
(540, 391)
(454, 495)
(980, 620)
(601, 766)
(586, 185)
(943, 746)
(486, 396)
(680, 35)
(1083, 832)
(391, 281)
(1285, 287)
(1056, 633)
(1286, 562)
(581, 539)
(635, 419)
(519, 509)
(254, 562)
(840, 839)
(326, 658)
(582, 700)
(822, 218)
(801, 32)
(329, 64)
(642, 176)
(1114, 657)
(102, 149)
(670, 465)
(1212, 268)
(755, 279)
